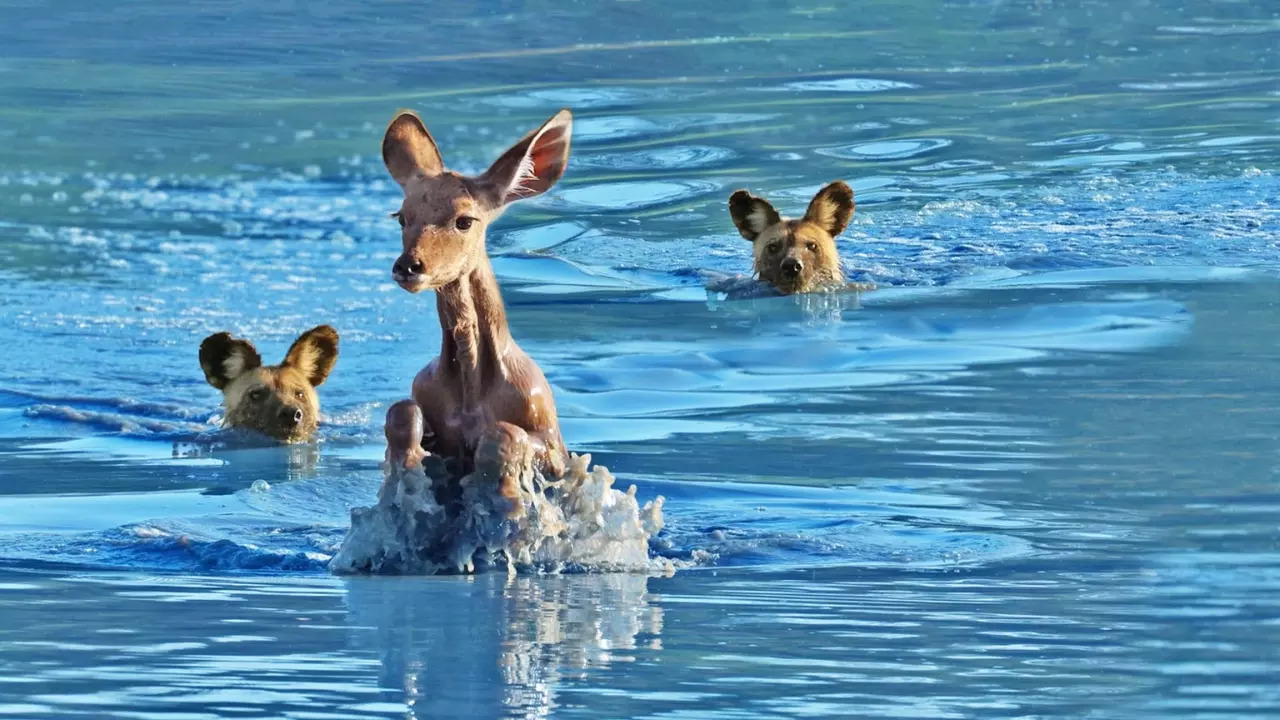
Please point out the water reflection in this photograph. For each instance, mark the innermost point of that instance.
(505, 645)
(745, 296)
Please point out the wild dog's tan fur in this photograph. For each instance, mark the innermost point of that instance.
(277, 400)
(796, 256)
(482, 399)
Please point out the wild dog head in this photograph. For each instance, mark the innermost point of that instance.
(444, 214)
(795, 256)
(276, 400)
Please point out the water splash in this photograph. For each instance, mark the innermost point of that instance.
(576, 522)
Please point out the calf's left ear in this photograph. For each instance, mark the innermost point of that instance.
(532, 165)
(831, 208)
(314, 353)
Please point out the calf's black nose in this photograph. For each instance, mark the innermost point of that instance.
(404, 268)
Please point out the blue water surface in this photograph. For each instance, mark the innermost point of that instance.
(1035, 474)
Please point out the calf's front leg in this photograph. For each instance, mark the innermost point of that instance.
(405, 429)
(502, 455)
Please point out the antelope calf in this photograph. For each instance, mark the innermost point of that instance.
(276, 400)
(796, 256)
(481, 399)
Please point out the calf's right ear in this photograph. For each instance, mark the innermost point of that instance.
(224, 358)
(408, 150)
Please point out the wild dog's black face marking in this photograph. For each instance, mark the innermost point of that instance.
(797, 258)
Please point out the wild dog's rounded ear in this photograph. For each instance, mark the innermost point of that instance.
(751, 215)
(224, 358)
(408, 150)
(831, 208)
(534, 164)
(314, 353)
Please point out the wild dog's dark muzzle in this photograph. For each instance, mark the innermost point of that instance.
(791, 268)
(290, 417)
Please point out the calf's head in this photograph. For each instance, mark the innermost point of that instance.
(444, 214)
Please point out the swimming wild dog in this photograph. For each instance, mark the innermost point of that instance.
(796, 256)
(276, 400)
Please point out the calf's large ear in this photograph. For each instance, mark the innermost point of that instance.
(408, 150)
(532, 165)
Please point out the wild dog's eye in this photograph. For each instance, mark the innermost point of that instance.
(774, 247)
(257, 394)
(298, 394)
(813, 247)
(464, 223)
(399, 217)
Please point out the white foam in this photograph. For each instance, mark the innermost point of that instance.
(578, 521)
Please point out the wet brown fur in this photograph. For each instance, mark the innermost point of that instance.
(276, 400)
(482, 396)
(796, 256)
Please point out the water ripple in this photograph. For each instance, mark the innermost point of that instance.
(627, 196)
(676, 157)
(886, 149)
(854, 85)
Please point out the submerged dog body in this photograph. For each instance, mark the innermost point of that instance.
(483, 400)
(276, 400)
(796, 256)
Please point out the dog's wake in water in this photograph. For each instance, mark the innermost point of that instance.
(423, 525)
